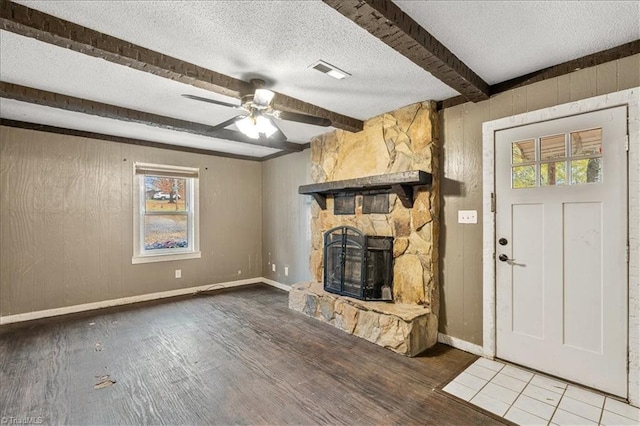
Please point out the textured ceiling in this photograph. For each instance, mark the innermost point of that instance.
(501, 40)
(82, 76)
(21, 111)
(278, 41)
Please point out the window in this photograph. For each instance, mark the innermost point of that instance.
(565, 159)
(165, 213)
(523, 159)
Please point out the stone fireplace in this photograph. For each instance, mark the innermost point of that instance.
(401, 141)
(358, 265)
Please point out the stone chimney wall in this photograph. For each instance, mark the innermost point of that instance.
(402, 140)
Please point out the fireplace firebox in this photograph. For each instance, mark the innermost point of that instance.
(358, 265)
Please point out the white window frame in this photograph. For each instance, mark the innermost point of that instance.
(191, 174)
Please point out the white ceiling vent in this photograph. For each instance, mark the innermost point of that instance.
(329, 69)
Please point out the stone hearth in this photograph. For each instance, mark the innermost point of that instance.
(403, 140)
(404, 328)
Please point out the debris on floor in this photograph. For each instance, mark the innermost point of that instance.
(104, 382)
(98, 347)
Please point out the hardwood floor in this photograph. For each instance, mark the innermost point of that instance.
(234, 357)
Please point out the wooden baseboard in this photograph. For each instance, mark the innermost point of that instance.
(276, 284)
(29, 316)
(461, 344)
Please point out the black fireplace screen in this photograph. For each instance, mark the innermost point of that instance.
(358, 265)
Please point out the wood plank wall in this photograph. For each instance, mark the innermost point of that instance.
(286, 218)
(461, 245)
(66, 221)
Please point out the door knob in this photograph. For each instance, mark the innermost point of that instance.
(505, 258)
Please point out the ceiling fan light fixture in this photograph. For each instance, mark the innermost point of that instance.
(262, 98)
(265, 126)
(255, 126)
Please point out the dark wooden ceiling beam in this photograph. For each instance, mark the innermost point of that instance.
(608, 55)
(281, 153)
(29, 22)
(84, 106)
(129, 141)
(386, 21)
(592, 60)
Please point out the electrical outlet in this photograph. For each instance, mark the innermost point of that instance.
(239, 272)
(178, 273)
(286, 271)
(467, 216)
(273, 267)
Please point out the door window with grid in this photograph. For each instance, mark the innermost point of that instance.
(572, 158)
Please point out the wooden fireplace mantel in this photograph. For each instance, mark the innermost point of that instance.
(401, 183)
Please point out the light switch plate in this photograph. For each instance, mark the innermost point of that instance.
(467, 216)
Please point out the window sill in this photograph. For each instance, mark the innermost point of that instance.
(165, 257)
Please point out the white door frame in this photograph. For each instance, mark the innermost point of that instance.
(630, 98)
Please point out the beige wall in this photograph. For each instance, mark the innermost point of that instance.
(286, 217)
(461, 245)
(66, 222)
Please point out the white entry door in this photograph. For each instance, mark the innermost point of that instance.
(561, 241)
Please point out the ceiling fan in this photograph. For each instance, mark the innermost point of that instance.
(256, 121)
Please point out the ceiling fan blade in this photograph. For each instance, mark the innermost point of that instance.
(302, 118)
(227, 122)
(211, 101)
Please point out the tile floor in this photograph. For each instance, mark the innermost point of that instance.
(529, 398)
